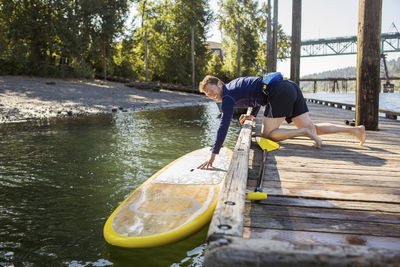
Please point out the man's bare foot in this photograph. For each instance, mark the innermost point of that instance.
(315, 137)
(360, 134)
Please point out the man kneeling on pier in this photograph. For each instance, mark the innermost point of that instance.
(283, 100)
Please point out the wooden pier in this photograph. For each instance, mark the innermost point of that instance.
(334, 206)
(390, 114)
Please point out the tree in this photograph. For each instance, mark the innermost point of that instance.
(168, 24)
(37, 32)
(245, 13)
(253, 21)
(215, 66)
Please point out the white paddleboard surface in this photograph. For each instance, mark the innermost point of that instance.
(173, 197)
(185, 170)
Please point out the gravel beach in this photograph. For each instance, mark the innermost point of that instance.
(27, 98)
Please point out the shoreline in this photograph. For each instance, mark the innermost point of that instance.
(24, 98)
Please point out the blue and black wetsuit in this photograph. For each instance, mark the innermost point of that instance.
(283, 99)
(242, 93)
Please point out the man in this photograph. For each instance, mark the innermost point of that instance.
(283, 100)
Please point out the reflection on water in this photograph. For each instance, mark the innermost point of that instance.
(61, 179)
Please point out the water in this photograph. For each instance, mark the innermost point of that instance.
(60, 180)
(387, 101)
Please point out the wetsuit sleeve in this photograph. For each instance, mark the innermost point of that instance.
(255, 110)
(227, 112)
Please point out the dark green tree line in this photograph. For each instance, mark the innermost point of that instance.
(82, 37)
(38, 35)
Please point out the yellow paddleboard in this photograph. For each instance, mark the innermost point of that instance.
(174, 203)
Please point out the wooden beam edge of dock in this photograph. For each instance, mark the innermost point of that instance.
(238, 251)
(228, 215)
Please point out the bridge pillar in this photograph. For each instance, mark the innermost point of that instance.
(368, 63)
(296, 42)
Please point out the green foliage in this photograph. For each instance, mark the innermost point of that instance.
(127, 62)
(245, 13)
(75, 38)
(169, 25)
(82, 69)
(253, 21)
(34, 32)
(215, 67)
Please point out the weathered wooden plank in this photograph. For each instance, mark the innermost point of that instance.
(228, 215)
(374, 142)
(235, 251)
(339, 153)
(337, 168)
(329, 191)
(381, 143)
(267, 221)
(300, 157)
(317, 238)
(321, 169)
(301, 163)
(295, 150)
(355, 158)
(326, 178)
(330, 204)
(304, 162)
(322, 213)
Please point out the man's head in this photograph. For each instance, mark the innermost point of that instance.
(212, 87)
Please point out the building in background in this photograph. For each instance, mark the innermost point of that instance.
(216, 47)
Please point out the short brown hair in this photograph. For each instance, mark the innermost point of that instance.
(208, 79)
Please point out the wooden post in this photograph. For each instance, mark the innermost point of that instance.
(145, 56)
(315, 87)
(296, 42)
(238, 49)
(193, 66)
(275, 37)
(269, 51)
(368, 63)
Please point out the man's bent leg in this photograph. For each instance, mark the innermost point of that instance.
(269, 125)
(328, 128)
(304, 120)
(271, 130)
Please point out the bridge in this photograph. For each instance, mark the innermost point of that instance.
(390, 42)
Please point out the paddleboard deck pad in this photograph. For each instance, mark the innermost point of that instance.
(174, 203)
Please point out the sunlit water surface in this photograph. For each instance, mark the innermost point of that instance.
(60, 180)
(387, 101)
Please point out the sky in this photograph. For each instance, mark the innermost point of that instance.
(324, 19)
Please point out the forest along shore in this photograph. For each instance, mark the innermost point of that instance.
(28, 98)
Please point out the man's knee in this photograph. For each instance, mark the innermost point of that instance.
(269, 125)
(303, 121)
(266, 135)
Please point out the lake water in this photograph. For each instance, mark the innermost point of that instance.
(387, 101)
(60, 179)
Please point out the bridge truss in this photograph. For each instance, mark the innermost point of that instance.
(390, 42)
